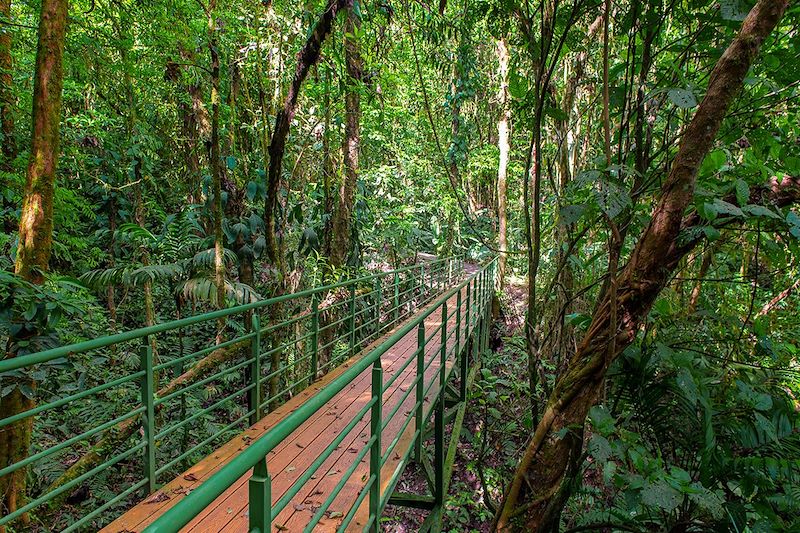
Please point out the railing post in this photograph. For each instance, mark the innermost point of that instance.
(396, 302)
(148, 417)
(467, 331)
(260, 493)
(352, 320)
(449, 271)
(255, 369)
(487, 318)
(438, 429)
(488, 309)
(443, 349)
(314, 337)
(420, 390)
(421, 283)
(378, 298)
(458, 322)
(376, 423)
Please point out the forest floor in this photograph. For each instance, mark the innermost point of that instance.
(481, 453)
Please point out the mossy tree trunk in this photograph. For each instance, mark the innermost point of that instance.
(35, 228)
(216, 170)
(504, 146)
(139, 210)
(6, 89)
(538, 490)
(341, 244)
(307, 57)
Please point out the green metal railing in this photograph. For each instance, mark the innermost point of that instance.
(152, 422)
(470, 331)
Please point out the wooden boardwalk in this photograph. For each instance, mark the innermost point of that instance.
(289, 460)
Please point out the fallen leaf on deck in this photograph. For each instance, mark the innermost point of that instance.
(157, 497)
(190, 477)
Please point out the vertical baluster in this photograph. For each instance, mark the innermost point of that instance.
(378, 302)
(260, 495)
(420, 389)
(487, 311)
(148, 417)
(396, 302)
(449, 271)
(421, 282)
(462, 354)
(458, 322)
(443, 349)
(438, 448)
(467, 331)
(314, 337)
(352, 321)
(255, 369)
(376, 421)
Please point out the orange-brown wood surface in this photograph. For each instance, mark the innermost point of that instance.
(294, 455)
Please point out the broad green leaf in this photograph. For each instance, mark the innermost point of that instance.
(742, 192)
(612, 198)
(570, 214)
(252, 190)
(794, 224)
(733, 10)
(721, 207)
(683, 98)
(686, 383)
(661, 495)
(761, 211)
(602, 421)
(713, 162)
(517, 85)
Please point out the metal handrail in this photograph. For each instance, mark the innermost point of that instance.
(139, 384)
(45, 356)
(254, 455)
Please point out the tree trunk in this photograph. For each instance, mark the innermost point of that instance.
(139, 215)
(216, 172)
(503, 144)
(6, 90)
(343, 216)
(329, 206)
(306, 58)
(705, 264)
(112, 229)
(772, 304)
(35, 228)
(535, 495)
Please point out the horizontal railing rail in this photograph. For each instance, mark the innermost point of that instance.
(140, 406)
(471, 316)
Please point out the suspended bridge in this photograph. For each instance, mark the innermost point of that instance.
(296, 413)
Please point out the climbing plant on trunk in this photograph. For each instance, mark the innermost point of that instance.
(342, 226)
(35, 232)
(538, 490)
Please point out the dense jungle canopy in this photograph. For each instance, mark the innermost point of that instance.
(635, 167)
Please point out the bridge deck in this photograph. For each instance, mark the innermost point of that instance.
(295, 454)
